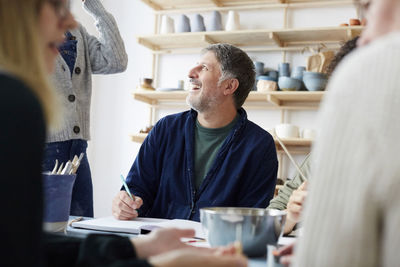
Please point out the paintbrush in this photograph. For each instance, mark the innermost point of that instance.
(291, 158)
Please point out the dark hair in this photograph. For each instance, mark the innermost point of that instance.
(235, 64)
(345, 49)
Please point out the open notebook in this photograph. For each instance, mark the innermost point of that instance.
(135, 226)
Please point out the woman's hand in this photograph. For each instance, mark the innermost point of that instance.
(160, 241)
(197, 257)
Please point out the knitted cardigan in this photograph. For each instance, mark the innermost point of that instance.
(104, 55)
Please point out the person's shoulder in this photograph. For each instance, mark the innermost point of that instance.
(17, 97)
(12, 86)
(254, 134)
(176, 118)
(254, 129)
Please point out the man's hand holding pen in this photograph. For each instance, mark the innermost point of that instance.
(124, 207)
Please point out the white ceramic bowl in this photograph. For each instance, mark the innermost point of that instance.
(286, 130)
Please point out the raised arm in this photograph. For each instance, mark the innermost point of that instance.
(107, 53)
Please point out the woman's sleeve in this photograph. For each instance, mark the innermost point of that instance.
(94, 250)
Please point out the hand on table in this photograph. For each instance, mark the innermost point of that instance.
(124, 208)
(164, 247)
(198, 257)
(295, 207)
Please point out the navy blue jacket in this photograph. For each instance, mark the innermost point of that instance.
(242, 175)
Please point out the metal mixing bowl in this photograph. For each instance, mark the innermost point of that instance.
(254, 228)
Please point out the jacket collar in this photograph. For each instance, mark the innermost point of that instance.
(242, 117)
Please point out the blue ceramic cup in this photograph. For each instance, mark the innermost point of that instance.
(57, 192)
(284, 69)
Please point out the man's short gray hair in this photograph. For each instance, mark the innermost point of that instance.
(235, 64)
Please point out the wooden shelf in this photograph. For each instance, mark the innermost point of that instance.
(263, 38)
(166, 5)
(138, 138)
(276, 99)
(295, 145)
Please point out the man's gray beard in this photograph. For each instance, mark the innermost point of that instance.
(201, 104)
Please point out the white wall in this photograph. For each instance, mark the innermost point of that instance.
(115, 114)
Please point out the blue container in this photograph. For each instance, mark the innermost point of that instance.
(57, 190)
(259, 66)
(284, 69)
(315, 81)
(297, 73)
(274, 75)
(265, 78)
(289, 84)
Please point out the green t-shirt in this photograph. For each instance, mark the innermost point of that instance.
(207, 144)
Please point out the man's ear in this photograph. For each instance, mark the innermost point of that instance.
(231, 86)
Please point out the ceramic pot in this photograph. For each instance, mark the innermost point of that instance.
(286, 130)
(233, 22)
(198, 23)
(167, 25)
(183, 24)
(216, 22)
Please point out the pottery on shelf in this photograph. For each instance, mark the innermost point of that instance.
(233, 21)
(167, 25)
(183, 24)
(289, 84)
(198, 23)
(215, 22)
(315, 81)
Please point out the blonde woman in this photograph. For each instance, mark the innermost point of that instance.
(30, 31)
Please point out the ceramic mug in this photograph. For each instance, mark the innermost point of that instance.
(167, 25)
(283, 69)
(287, 130)
(259, 66)
(233, 22)
(181, 84)
(297, 73)
(183, 24)
(198, 23)
(57, 192)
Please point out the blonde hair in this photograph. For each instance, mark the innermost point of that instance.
(20, 51)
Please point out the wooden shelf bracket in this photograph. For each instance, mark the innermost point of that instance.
(217, 3)
(274, 100)
(206, 38)
(152, 5)
(273, 36)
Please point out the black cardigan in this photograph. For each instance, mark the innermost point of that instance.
(22, 137)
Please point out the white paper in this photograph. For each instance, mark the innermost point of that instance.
(111, 224)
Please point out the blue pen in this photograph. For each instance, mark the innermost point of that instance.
(126, 187)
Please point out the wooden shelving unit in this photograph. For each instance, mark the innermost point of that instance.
(278, 99)
(172, 5)
(257, 40)
(265, 39)
(296, 145)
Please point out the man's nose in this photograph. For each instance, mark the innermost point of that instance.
(193, 73)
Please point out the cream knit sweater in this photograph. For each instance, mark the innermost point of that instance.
(352, 215)
(94, 56)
